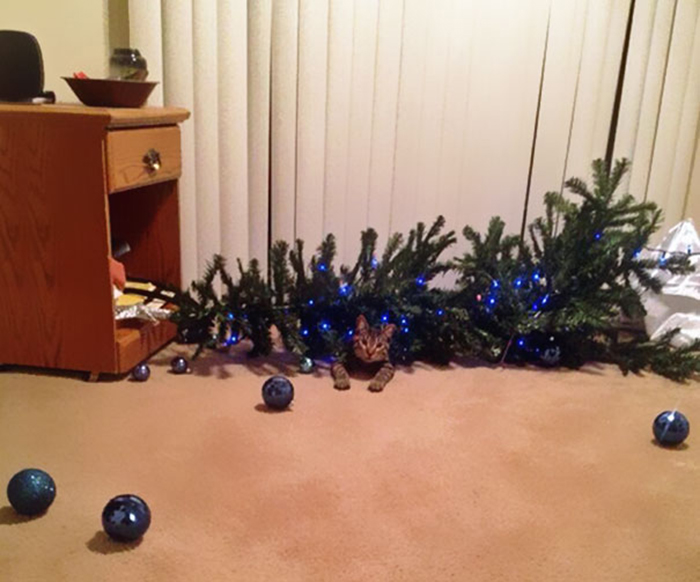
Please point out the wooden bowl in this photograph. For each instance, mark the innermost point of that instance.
(111, 92)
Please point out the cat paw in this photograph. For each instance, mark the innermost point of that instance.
(375, 387)
(341, 384)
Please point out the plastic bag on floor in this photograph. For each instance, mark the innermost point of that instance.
(678, 304)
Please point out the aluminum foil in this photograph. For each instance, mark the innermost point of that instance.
(141, 311)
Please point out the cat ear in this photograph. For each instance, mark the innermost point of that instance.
(388, 330)
(361, 325)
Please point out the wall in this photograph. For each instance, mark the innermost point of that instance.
(73, 35)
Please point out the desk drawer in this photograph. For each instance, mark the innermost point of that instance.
(136, 157)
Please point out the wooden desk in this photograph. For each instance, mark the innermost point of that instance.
(71, 178)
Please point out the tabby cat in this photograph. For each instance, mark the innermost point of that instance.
(370, 352)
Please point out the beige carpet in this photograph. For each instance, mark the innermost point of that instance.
(467, 474)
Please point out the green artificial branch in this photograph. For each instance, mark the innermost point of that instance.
(573, 283)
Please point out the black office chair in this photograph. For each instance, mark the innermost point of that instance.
(21, 68)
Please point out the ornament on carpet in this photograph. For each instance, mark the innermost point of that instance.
(126, 518)
(306, 365)
(278, 392)
(141, 372)
(671, 428)
(31, 491)
(179, 365)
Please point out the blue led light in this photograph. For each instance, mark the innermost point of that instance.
(385, 318)
(495, 284)
(521, 343)
(405, 330)
(375, 262)
(350, 333)
(518, 283)
(322, 267)
(229, 316)
(304, 332)
(441, 312)
(344, 289)
(492, 301)
(535, 276)
(598, 235)
(325, 326)
(310, 301)
(637, 253)
(420, 281)
(404, 321)
(232, 340)
(545, 299)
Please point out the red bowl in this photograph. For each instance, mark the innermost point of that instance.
(111, 92)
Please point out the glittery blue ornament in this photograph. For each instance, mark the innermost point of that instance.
(278, 392)
(141, 372)
(126, 518)
(671, 428)
(31, 491)
(179, 365)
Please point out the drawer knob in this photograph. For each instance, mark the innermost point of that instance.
(152, 160)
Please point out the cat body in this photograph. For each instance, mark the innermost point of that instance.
(369, 354)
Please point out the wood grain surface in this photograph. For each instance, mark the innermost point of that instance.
(127, 148)
(56, 308)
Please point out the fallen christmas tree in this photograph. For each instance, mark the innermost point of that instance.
(567, 294)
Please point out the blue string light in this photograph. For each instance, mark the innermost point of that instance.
(310, 301)
(385, 318)
(404, 321)
(232, 340)
(518, 283)
(405, 330)
(375, 262)
(495, 284)
(350, 333)
(325, 326)
(521, 343)
(441, 312)
(536, 276)
(322, 267)
(545, 299)
(492, 301)
(420, 281)
(598, 235)
(345, 289)
(229, 316)
(304, 331)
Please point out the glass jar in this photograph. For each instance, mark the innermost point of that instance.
(127, 64)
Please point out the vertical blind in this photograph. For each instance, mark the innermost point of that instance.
(317, 116)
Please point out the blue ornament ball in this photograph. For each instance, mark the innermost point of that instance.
(671, 428)
(179, 365)
(141, 372)
(126, 518)
(278, 392)
(31, 491)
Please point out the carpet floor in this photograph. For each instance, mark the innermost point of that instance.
(467, 474)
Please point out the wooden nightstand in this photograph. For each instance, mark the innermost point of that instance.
(71, 179)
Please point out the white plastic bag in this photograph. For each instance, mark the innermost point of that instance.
(678, 304)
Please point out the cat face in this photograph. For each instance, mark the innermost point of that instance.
(372, 345)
